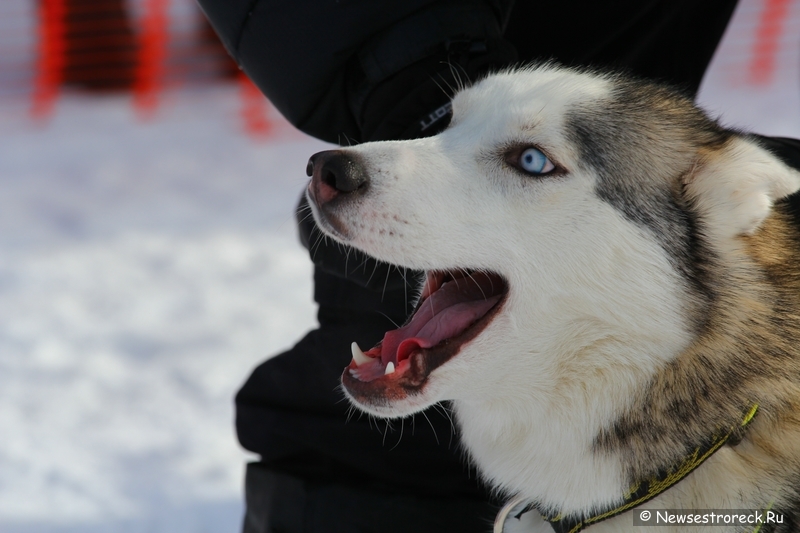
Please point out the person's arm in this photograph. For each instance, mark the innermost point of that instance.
(338, 69)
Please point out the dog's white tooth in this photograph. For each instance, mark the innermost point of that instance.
(389, 369)
(358, 355)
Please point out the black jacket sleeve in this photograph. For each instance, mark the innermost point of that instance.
(317, 59)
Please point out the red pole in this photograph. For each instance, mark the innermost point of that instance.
(767, 40)
(51, 58)
(154, 38)
(255, 109)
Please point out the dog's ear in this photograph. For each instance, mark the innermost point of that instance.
(733, 187)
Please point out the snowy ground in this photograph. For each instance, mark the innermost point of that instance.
(145, 268)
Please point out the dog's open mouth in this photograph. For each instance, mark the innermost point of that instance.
(454, 308)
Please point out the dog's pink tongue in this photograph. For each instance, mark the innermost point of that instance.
(447, 312)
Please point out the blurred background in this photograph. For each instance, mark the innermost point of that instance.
(148, 257)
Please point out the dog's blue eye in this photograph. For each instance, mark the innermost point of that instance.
(534, 161)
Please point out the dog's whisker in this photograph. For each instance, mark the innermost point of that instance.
(387, 317)
(454, 74)
(309, 214)
(400, 438)
(457, 71)
(478, 284)
(449, 416)
(374, 269)
(403, 273)
(491, 279)
(386, 430)
(347, 138)
(315, 246)
(385, 282)
(320, 242)
(435, 436)
(449, 91)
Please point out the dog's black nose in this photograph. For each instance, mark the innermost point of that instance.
(335, 172)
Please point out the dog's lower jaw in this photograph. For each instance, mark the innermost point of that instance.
(398, 406)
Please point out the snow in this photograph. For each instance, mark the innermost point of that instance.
(147, 266)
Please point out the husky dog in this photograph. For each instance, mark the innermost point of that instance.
(611, 299)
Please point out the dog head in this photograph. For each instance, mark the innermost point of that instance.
(566, 222)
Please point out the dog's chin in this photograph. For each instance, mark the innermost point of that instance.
(396, 377)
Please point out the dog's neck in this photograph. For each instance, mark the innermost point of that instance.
(550, 461)
(543, 448)
(640, 492)
(549, 456)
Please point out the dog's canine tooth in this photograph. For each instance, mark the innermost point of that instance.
(358, 355)
(389, 369)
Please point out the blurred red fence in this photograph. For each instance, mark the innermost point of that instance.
(140, 46)
(771, 25)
